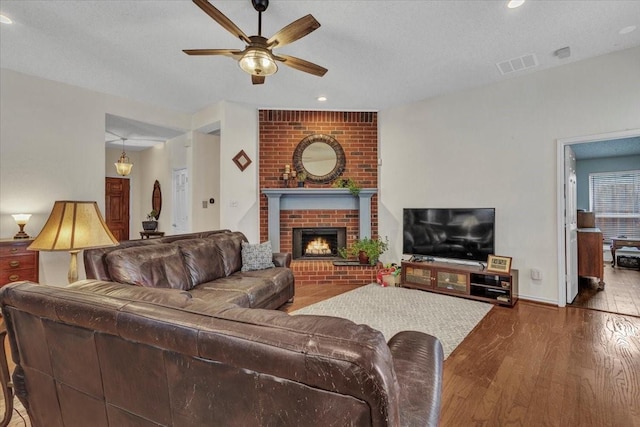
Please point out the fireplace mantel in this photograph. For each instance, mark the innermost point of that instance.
(283, 199)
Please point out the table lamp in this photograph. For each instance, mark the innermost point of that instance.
(21, 220)
(73, 226)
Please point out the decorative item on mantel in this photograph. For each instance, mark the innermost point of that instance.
(349, 183)
(288, 176)
(302, 177)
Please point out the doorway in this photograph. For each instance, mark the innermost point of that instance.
(117, 207)
(565, 204)
(180, 201)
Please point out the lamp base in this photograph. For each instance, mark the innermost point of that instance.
(21, 234)
(73, 267)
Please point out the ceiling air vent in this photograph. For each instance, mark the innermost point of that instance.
(518, 64)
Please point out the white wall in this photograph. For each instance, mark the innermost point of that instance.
(206, 172)
(496, 147)
(52, 148)
(239, 192)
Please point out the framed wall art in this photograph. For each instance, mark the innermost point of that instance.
(499, 264)
(242, 160)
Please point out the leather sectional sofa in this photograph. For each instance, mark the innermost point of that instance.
(207, 265)
(105, 353)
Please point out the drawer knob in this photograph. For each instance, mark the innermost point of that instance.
(14, 264)
(14, 277)
(14, 250)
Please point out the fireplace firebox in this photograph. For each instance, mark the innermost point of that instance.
(318, 242)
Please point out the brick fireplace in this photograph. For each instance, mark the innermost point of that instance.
(357, 133)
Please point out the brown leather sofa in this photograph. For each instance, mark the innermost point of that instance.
(207, 265)
(157, 357)
(201, 348)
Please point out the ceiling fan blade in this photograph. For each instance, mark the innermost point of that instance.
(221, 19)
(113, 140)
(257, 80)
(233, 53)
(294, 31)
(301, 64)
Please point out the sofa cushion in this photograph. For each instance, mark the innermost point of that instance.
(155, 266)
(202, 259)
(257, 257)
(230, 245)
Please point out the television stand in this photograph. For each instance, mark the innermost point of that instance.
(467, 281)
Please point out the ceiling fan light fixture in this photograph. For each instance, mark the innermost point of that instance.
(258, 62)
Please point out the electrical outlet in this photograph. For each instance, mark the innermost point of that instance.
(234, 203)
(536, 274)
(205, 205)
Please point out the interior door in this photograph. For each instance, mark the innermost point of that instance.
(117, 207)
(571, 223)
(180, 201)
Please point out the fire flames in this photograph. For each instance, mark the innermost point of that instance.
(318, 246)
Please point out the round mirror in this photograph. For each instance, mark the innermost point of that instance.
(321, 157)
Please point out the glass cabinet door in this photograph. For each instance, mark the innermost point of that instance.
(452, 281)
(420, 276)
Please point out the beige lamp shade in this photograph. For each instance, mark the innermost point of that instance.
(73, 226)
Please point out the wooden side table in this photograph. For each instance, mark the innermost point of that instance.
(16, 262)
(150, 234)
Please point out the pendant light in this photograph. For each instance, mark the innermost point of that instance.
(123, 165)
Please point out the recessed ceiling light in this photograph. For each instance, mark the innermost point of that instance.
(5, 19)
(627, 30)
(322, 98)
(512, 4)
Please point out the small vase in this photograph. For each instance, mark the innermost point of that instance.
(363, 258)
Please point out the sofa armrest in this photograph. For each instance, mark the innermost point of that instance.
(418, 361)
(282, 259)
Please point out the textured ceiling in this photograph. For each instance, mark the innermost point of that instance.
(379, 53)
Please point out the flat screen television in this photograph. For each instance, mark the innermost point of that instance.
(457, 233)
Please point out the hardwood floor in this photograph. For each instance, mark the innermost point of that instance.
(533, 365)
(620, 295)
(537, 365)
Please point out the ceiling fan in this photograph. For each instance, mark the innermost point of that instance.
(257, 58)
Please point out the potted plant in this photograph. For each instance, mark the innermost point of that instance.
(151, 224)
(348, 183)
(302, 177)
(367, 250)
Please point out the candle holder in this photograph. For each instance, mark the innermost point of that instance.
(288, 177)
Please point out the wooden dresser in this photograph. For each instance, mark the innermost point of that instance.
(591, 254)
(16, 262)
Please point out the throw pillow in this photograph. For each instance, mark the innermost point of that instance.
(257, 257)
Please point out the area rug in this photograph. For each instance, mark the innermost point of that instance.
(391, 310)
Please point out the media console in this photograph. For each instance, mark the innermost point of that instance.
(466, 281)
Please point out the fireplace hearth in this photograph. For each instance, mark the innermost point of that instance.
(318, 242)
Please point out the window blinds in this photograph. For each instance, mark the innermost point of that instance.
(614, 197)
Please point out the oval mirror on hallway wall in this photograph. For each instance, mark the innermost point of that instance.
(156, 199)
(321, 157)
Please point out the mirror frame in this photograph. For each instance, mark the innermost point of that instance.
(331, 142)
(156, 199)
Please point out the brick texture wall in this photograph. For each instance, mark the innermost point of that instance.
(357, 133)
